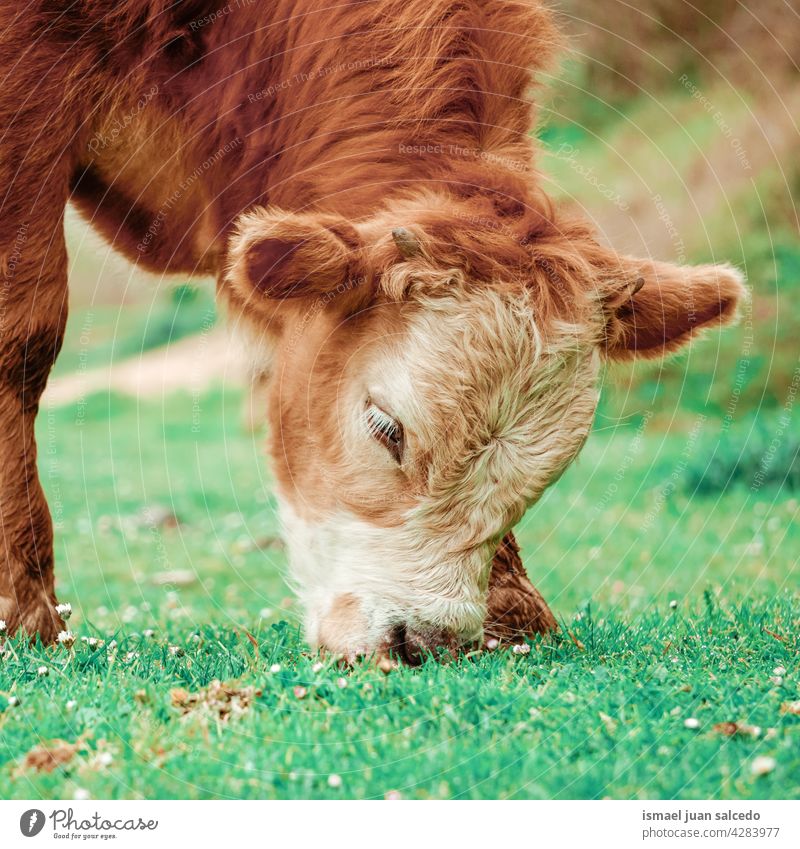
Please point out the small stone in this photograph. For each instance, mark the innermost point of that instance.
(691, 722)
(762, 765)
(334, 780)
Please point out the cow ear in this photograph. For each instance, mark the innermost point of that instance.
(278, 255)
(654, 308)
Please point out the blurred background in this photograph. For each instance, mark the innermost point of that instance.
(675, 128)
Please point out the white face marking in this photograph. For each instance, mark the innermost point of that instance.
(395, 581)
(491, 414)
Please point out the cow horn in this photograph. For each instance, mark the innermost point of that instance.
(637, 286)
(406, 242)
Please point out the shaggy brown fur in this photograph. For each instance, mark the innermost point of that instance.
(165, 121)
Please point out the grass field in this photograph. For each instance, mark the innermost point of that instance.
(677, 610)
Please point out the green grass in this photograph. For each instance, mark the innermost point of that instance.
(598, 712)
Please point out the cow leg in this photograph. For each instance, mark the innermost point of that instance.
(516, 608)
(33, 310)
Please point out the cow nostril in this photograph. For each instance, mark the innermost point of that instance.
(415, 645)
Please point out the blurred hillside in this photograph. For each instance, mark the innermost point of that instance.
(675, 128)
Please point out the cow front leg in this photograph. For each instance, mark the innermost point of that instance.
(33, 307)
(516, 608)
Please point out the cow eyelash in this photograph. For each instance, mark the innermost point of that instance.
(386, 430)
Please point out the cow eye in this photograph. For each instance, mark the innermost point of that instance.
(385, 429)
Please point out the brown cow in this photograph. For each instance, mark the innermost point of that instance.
(359, 178)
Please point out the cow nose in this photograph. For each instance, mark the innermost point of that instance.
(414, 644)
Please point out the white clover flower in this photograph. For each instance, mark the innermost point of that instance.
(176, 651)
(779, 670)
(3, 627)
(691, 723)
(66, 639)
(80, 795)
(777, 680)
(64, 610)
(14, 701)
(762, 765)
(522, 648)
(43, 672)
(341, 683)
(318, 667)
(2, 649)
(149, 633)
(105, 758)
(334, 780)
(275, 668)
(673, 604)
(71, 704)
(492, 643)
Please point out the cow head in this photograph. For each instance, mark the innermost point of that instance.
(434, 369)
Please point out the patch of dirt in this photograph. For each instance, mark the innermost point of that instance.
(221, 701)
(53, 754)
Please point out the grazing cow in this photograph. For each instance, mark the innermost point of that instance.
(359, 177)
